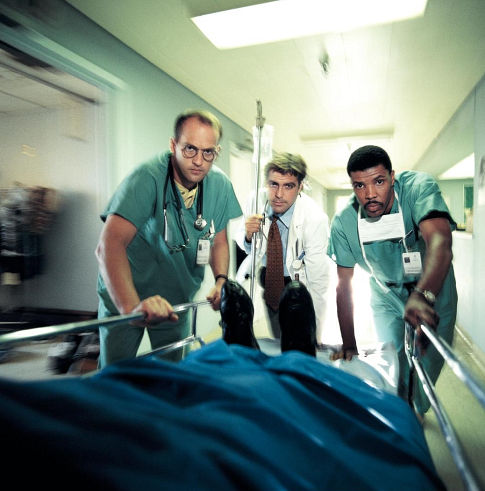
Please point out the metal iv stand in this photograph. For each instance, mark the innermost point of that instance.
(259, 126)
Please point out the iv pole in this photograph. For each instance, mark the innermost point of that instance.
(259, 125)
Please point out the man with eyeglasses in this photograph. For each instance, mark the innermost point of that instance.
(164, 223)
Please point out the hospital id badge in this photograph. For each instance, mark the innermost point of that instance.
(203, 251)
(412, 263)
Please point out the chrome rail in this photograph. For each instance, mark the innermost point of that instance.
(458, 369)
(467, 474)
(91, 325)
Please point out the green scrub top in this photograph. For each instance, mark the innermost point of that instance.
(155, 268)
(419, 195)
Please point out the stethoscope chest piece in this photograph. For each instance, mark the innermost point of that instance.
(200, 223)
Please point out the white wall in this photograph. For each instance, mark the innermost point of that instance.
(464, 134)
(142, 104)
(463, 263)
(476, 329)
(68, 162)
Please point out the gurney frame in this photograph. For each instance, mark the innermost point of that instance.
(413, 355)
(20, 336)
(411, 348)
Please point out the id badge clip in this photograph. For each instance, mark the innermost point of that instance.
(211, 233)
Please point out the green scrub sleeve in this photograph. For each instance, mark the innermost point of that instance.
(426, 197)
(338, 246)
(134, 198)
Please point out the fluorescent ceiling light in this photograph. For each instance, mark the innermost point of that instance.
(380, 133)
(338, 147)
(290, 19)
(465, 169)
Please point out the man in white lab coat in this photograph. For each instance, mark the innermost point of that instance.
(303, 228)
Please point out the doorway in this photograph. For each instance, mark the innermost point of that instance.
(53, 133)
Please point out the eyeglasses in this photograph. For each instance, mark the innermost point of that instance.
(190, 151)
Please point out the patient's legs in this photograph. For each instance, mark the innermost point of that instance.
(237, 313)
(297, 319)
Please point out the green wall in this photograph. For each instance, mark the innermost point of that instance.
(142, 101)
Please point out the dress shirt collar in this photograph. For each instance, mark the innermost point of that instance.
(285, 217)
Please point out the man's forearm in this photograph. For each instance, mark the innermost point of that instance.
(345, 315)
(436, 267)
(219, 259)
(438, 254)
(115, 270)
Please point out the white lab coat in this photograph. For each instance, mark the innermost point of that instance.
(309, 232)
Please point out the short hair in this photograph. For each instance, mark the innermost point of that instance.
(287, 163)
(205, 117)
(368, 156)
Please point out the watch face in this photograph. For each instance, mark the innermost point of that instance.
(429, 296)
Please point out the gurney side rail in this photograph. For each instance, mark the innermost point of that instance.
(91, 325)
(467, 474)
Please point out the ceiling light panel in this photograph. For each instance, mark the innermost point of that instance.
(291, 19)
(465, 169)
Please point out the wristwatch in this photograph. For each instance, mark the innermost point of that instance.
(428, 296)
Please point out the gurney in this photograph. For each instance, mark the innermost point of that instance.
(467, 473)
(225, 417)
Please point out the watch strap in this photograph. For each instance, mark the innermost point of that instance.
(429, 296)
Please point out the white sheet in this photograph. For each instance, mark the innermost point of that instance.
(377, 365)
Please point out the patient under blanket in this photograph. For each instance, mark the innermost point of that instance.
(226, 417)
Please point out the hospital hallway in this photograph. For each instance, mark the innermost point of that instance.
(89, 90)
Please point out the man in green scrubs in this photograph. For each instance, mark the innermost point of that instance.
(398, 229)
(164, 223)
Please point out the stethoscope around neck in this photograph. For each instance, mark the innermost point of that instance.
(199, 223)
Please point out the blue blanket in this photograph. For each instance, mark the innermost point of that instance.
(227, 417)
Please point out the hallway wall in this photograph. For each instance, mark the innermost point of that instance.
(140, 105)
(68, 165)
(464, 134)
(142, 100)
(477, 331)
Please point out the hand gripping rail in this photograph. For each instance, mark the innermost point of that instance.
(92, 325)
(415, 366)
